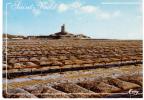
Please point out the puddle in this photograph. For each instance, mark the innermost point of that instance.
(16, 80)
(56, 76)
(34, 77)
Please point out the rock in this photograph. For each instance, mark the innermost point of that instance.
(68, 62)
(106, 88)
(12, 61)
(31, 64)
(123, 84)
(45, 63)
(23, 60)
(34, 59)
(18, 65)
(57, 63)
(17, 93)
(43, 59)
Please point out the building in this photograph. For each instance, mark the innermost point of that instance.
(63, 34)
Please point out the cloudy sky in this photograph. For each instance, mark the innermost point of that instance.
(110, 19)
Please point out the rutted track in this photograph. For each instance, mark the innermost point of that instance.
(62, 69)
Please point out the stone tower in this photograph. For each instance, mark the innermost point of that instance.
(63, 28)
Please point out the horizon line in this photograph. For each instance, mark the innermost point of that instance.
(89, 36)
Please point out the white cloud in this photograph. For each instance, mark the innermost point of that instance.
(88, 9)
(76, 7)
(105, 15)
(36, 12)
(63, 7)
(100, 14)
(116, 13)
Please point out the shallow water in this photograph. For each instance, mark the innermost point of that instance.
(57, 76)
(33, 77)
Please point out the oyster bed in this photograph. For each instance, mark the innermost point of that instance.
(86, 89)
(72, 68)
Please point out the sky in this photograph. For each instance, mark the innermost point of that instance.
(102, 19)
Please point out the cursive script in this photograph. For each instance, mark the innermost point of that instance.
(39, 5)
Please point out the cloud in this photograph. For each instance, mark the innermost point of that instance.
(36, 12)
(116, 13)
(107, 15)
(104, 15)
(74, 7)
(87, 9)
(76, 4)
(63, 7)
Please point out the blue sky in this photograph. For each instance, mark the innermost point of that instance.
(111, 19)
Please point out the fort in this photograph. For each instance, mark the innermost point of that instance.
(63, 34)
